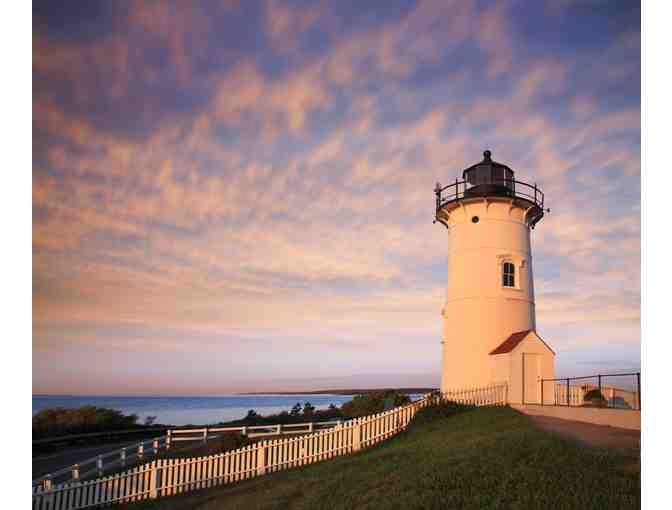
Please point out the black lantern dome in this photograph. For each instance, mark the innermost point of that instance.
(491, 181)
(488, 178)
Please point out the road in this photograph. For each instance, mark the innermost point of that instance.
(47, 463)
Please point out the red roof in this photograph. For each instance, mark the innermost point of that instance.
(510, 343)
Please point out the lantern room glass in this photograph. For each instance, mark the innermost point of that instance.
(487, 173)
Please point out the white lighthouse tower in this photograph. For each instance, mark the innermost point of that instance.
(489, 327)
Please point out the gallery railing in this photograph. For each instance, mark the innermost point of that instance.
(489, 187)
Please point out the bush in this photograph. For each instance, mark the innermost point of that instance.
(224, 443)
(283, 418)
(374, 402)
(308, 410)
(443, 410)
(595, 398)
(60, 421)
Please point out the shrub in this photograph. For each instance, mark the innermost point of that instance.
(374, 402)
(594, 397)
(60, 421)
(300, 416)
(443, 410)
(224, 443)
(308, 410)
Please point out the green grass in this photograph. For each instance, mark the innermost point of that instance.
(478, 459)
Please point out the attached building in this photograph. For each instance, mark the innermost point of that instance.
(522, 360)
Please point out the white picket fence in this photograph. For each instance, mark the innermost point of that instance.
(144, 450)
(489, 395)
(165, 477)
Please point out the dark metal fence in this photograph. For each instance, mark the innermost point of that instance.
(621, 391)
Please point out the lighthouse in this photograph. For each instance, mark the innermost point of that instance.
(489, 324)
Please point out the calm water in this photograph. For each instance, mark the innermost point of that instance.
(191, 410)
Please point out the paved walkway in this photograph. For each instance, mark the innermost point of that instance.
(601, 436)
(628, 442)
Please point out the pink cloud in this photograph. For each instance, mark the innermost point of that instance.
(189, 232)
(493, 35)
(284, 24)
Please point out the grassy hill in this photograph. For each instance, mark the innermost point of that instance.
(476, 459)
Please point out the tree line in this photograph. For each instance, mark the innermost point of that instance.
(88, 419)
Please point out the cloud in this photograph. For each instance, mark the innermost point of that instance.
(282, 191)
(545, 77)
(285, 25)
(494, 30)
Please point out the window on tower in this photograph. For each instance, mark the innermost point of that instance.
(508, 274)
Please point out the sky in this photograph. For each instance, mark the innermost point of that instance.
(237, 196)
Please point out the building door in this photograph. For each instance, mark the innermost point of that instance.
(531, 374)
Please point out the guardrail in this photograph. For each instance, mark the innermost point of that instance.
(165, 477)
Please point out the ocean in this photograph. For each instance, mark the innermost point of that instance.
(190, 410)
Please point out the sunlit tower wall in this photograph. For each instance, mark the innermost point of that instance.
(490, 293)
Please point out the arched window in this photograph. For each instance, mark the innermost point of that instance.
(508, 274)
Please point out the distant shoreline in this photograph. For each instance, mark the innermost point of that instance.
(348, 391)
(339, 391)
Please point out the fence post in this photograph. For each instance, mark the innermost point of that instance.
(155, 444)
(153, 480)
(123, 456)
(357, 436)
(279, 429)
(244, 431)
(48, 483)
(599, 384)
(261, 458)
(555, 393)
(567, 392)
(169, 438)
(141, 450)
(639, 393)
(99, 465)
(205, 435)
(75, 472)
(310, 427)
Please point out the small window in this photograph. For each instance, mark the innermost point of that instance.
(508, 275)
